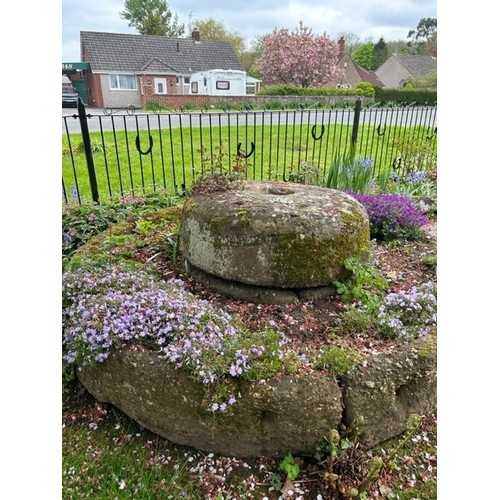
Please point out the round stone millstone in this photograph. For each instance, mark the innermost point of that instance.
(270, 234)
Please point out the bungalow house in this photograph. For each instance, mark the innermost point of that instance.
(398, 70)
(129, 69)
(353, 73)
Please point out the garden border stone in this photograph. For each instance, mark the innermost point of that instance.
(286, 413)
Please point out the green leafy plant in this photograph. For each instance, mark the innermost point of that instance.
(290, 467)
(349, 174)
(306, 173)
(144, 227)
(343, 452)
(366, 284)
(338, 360)
(172, 244)
(430, 260)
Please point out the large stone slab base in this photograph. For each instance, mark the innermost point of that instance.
(288, 413)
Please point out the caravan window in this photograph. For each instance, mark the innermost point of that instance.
(222, 85)
(194, 87)
(122, 82)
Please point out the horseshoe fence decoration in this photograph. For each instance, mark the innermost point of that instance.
(313, 132)
(241, 155)
(138, 145)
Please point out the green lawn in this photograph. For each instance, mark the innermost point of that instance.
(180, 155)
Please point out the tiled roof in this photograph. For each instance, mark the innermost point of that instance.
(136, 53)
(418, 65)
(368, 76)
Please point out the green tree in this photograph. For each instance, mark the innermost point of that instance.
(152, 17)
(398, 47)
(380, 52)
(423, 40)
(251, 55)
(364, 55)
(211, 29)
(427, 82)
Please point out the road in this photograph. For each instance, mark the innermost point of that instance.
(121, 119)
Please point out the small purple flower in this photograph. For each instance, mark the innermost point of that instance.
(416, 177)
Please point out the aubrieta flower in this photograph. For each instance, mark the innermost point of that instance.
(392, 216)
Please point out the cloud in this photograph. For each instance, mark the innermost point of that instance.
(368, 19)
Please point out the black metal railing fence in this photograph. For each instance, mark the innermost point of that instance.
(123, 153)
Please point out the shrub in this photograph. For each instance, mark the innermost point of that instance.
(366, 89)
(392, 216)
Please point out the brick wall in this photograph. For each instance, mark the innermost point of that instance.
(176, 101)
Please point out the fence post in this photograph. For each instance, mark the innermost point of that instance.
(357, 114)
(88, 150)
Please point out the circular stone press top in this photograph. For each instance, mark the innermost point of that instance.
(274, 234)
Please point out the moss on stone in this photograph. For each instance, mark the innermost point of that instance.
(299, 260)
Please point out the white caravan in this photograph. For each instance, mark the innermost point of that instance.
(219, 82)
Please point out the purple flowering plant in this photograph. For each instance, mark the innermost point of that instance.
(409, 314)
(108, 306)
(392, 216)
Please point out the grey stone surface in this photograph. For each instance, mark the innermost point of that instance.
(289, 413)
(290, 236)
(389, 388)
(285, 413)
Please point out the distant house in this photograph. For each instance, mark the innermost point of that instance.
(353, 73)
(129, 69)
(398, 70)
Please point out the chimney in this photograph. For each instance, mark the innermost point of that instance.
(341, 44)
(196, 35)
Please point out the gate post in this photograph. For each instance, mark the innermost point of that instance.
(357, 114)
(88, 150)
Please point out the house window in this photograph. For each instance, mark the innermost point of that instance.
(122, 82)
(160, 85)
(194, 87)
(222, 85)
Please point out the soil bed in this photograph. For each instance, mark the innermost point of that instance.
(310, 323)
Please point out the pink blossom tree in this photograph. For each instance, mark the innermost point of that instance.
(300, 58)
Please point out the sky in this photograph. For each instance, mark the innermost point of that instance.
(367, 19)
